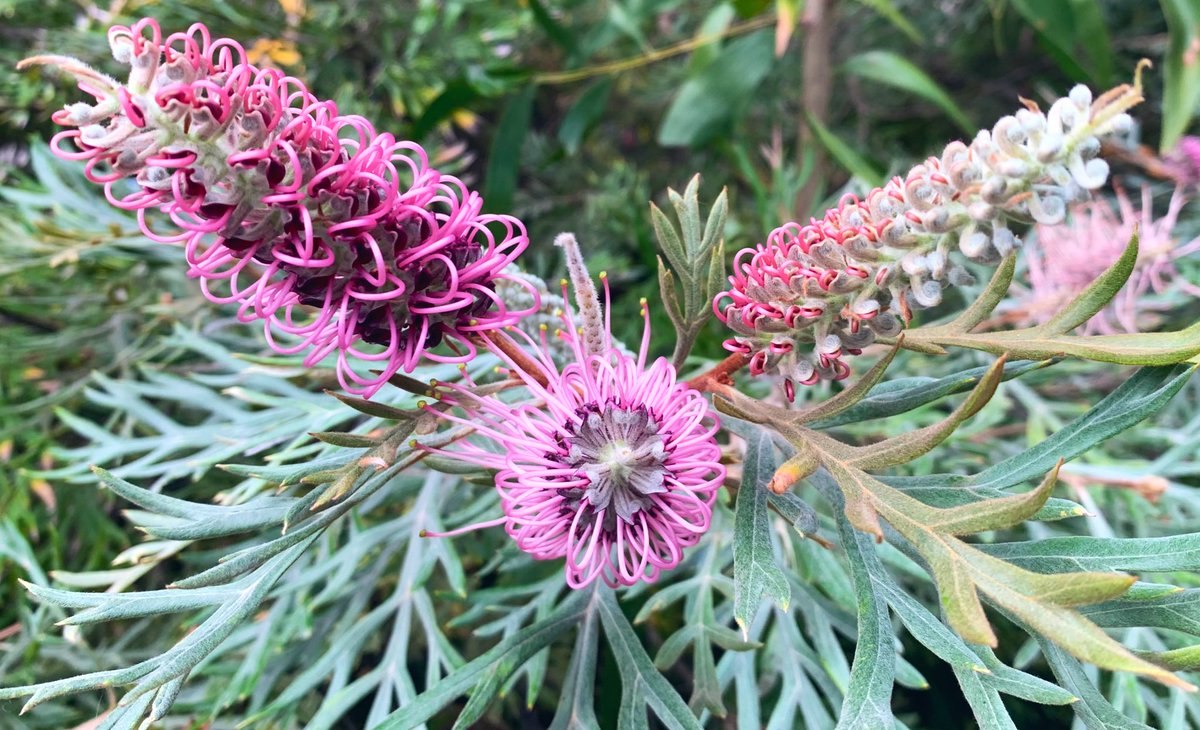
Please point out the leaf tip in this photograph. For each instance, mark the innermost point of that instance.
(1178, 682)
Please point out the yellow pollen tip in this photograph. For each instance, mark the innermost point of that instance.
(562, 282)
(473, 322)
(558, 312)
(422, 404)
(412, 443)
(543, 327)
(603, 274)
(642, 301)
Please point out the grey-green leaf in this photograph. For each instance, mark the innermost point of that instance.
(755, 570)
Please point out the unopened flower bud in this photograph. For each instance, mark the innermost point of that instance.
(892, 246)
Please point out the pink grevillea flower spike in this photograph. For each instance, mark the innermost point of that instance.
(612, 465)
(813, 293)
(340, 239)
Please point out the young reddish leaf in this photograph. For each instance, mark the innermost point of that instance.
(996, 514)
(908, 446)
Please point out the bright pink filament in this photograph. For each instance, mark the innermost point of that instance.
(548, 477)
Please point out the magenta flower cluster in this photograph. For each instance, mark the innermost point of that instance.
(337, 237)
(615, 469)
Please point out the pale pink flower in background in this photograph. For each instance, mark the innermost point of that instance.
(1184, 160)
(1067, 258)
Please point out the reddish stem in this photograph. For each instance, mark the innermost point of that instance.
(499, 340)
(721, 375)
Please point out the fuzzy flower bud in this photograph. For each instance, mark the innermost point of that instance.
(329, 232)
(858, 272)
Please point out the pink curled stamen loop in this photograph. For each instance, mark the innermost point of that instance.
(552, 476)
(340, 238)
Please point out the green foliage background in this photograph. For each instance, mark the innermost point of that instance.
(571, 115)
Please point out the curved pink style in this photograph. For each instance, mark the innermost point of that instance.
(332, 234)
(614, 467)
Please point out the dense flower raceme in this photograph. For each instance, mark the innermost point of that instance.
(329, 232)
(613, 467)
(1068, 258)
(855, 274)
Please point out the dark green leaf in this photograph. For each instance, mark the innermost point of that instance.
(985, 702)
(755, 570)
(1142, 395)
(1004, 678)
(796, 511)
(896, 17)
(845, 155)
(707, 103)
(1093, 710)
(1069, 26)
(504, 161)
(1137, 554)
(577, 702)
(898, 72)
(586, 111)
(905, 394)
(868, 698)
(1181, 77)
(346, 440)
(515, 649)
(552, 28)
(458, 95)
(641, 683)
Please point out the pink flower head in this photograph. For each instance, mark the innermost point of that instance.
(1069, 258)
(613, 466)
(813, 293)
(330, 233)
